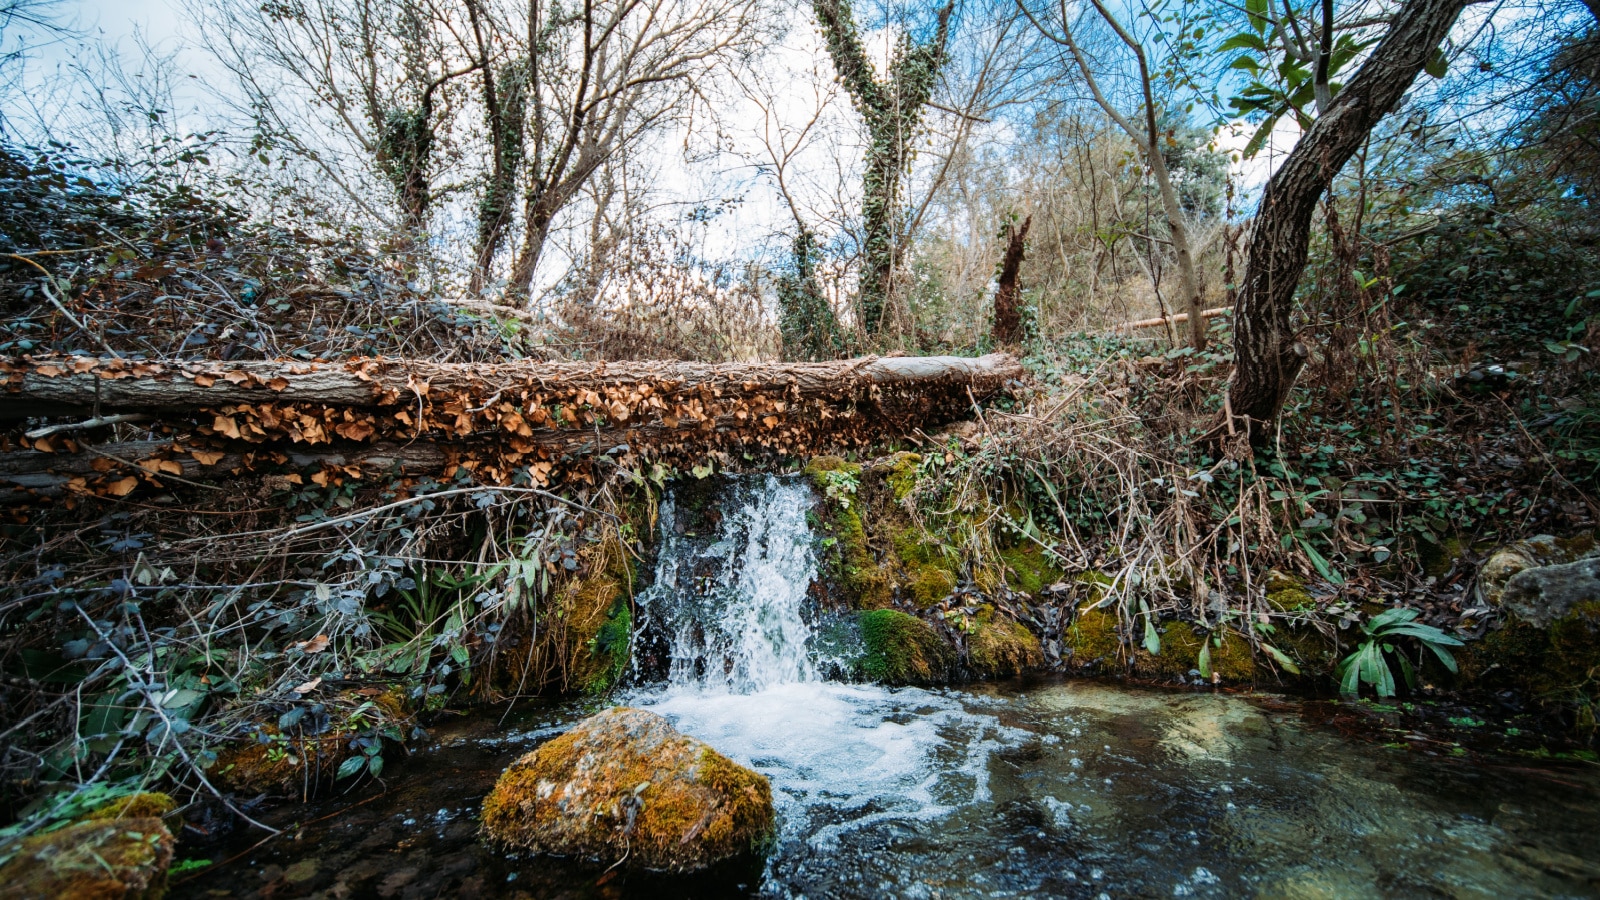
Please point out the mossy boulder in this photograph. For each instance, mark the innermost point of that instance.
(99, 859)
(1000, 646)
(1544, 595)
(1286, 593)
(143, 805)
(1535, 552)
(903, 649)
(1092, 640)
(623, 785)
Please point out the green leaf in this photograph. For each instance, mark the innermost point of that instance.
(1257, 11)
(1259, 139)
(1437, 64)
(1321, 563)
(1390, 617)
(1445, 656)
(1205, 659)
(374, 765)
(1244, 40)
(1281, 659)
(350, 766)
(1152, 640)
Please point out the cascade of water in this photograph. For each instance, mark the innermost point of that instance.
(730, 607)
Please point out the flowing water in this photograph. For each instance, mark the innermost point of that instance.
(1039, 788)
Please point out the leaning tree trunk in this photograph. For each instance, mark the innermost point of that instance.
(1007, 295)
(1269, 353)
(518, 422)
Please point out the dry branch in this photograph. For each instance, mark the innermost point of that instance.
(498, 421)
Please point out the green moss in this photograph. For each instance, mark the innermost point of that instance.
(91, 860)
(1029, 569)
(749, 804)
(610, 647)
(1286, 593)
(847, 558)
(900, 473)
(1001, 646)
(143, 805)
(624, 785)
(902, 649)
(1093, 639)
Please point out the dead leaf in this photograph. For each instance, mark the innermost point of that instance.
(50, 371)
(278, 383)
(124, 487)
(207, 457)
(226, 426)
(315, 645)
(309, 686)
(205, 380)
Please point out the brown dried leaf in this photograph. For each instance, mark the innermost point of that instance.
(122, 488)
(50, 371)
(207, 457)
(226, 426)
(204, 379)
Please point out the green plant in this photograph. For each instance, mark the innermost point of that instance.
(840, 485)
(1368, 664)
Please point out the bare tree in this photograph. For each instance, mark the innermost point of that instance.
(1269, 353)
(1146, 136)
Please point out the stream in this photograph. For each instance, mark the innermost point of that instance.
(1027, 788)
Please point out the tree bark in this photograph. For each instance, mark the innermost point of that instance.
(1269, 354)
(1007, 308)
(520, 421)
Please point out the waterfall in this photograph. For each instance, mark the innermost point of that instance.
(728, 607)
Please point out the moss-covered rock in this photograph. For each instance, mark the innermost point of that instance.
(624, 784)
(91, 860)
(1540, 550)
(1093, 642)
(903, 649)
(1286, 593)
(1000, 646)
(143, 805)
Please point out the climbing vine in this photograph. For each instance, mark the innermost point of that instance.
(892, 108)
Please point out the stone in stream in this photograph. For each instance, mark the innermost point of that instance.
(623, 785)
(98, 858)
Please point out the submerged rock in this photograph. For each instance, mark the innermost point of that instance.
(625, 786)
(100, 859)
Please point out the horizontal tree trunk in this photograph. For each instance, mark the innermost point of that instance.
(516, 422)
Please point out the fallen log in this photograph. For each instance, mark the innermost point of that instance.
(1176, 319)
(523, 421)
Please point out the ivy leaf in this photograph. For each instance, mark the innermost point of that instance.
(1437, 64)
(350, 767)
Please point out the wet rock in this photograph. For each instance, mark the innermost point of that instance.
(1540, 596)
(625, 786)
(903, 649)
(1518, 556)
(100, 859)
